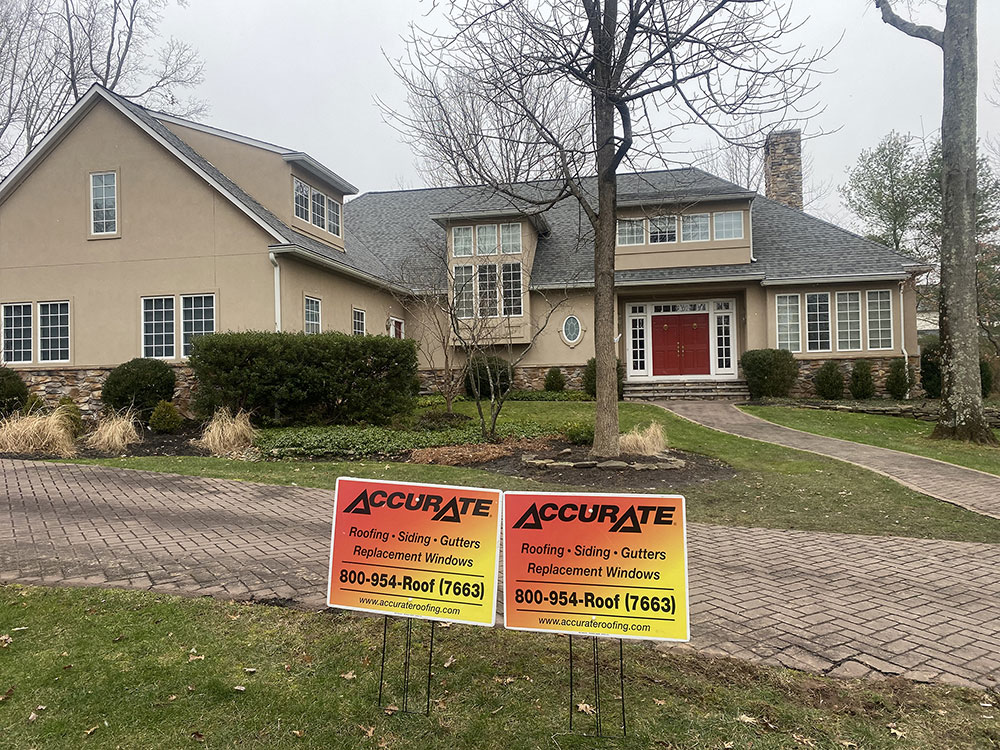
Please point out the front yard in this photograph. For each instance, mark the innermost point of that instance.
(771, 486)
(117, 669)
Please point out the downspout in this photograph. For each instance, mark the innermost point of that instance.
(750, 212)
(902, 338)
(277, 291)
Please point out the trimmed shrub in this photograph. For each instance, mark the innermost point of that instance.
(898, 381)
(590, 379)
(579, 433)
(770, 373)
(73, 414)
(829, 381)
(139, 384)
(986, 377)
(862, 384)
(13, 392)
(519, 395)
(930, 370)
(294, 378)
(483, 373)
(165, 418)
(555, 380)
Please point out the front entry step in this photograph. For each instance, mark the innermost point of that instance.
(729, 390)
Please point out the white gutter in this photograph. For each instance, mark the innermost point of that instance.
(311, 257)
(833, 279)
(277, 291)
(653, 282)
(753, 258)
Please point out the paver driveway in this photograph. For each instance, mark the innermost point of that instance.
(833, 603)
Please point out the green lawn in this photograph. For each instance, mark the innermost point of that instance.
(131, 670)
(899, 433)
(775, 487)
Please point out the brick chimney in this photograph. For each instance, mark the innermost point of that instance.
(783, 167)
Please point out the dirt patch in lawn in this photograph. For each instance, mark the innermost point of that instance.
(687, 468)
(468, 455)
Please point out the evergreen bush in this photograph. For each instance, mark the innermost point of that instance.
(986, 377)
(930, 370)
(13, 392)
(73, 414)
(898, 382)
(139, 384)
(590, 378)
(770, 373)
(862, 384)
(483, 373)
(829, 381)
(555, 380)
(165, 418)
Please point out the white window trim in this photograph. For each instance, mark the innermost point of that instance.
(562, 330)
(313, 195)
(305, 311)
(861, 321)
(327, 199)
(180, 328)
(707, 215)
(340, 216)
(497, 291)
(520, 238)
(142, 325)
(364, 321)
(37, 322)
(829, 322)
(777, 322)
(471, 289)
(715, 216)
(475, 241)
(90, 206)
(618, 242)
(503, 288)
(677, 230)
(3, 333)
(392, 327)
(472, 248)
(892, 322)
(295, 184)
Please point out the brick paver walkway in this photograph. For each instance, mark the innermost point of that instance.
(975, 490)
(832, 603)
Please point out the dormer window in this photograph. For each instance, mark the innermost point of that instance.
(662, 229)
(728, 225)
(316, 207)
(486, 239)
(695, 228)
(631, 231)
(461, 242)
(103, 203)
(510, 239)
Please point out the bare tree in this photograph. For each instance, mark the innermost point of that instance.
(587, 85)
(962, 416)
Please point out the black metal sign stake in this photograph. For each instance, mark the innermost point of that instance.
(597, 686)
(407, 654)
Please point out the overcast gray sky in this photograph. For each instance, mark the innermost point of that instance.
(304, 74)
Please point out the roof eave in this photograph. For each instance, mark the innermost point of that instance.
(316, 169)
(312, 257)
(654, 282)
(661, 200)
(834, 279)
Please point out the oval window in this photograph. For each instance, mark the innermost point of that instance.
(571, 329)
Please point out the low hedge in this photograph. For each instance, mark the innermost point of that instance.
(139, 384)
(549, 396)
(348, 441)
(295, 378)
(770, 373)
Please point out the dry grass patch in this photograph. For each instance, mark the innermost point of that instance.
(644, 442)
(39, 434)
(114, 433)
(226, 434)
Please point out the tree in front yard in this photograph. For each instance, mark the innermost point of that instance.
(568, 91)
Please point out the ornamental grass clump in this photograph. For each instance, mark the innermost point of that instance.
(226, 434)
(39, 434)
(115, 432)
(643, 442)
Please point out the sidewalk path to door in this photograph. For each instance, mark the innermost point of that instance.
(971, 489)
(836, 604)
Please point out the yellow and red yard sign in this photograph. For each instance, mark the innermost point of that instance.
(415, 550)
(592, 564)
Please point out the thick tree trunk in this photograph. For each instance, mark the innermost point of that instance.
(606, 418)
(962, 414)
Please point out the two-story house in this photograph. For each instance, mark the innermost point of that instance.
(126, 233)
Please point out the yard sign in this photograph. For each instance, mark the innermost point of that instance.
(415, 550)
(597, 565)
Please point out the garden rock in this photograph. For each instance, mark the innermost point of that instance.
(612, 465)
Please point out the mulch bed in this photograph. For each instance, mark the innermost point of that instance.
(466, 455)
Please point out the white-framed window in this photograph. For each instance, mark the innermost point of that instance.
(487, 278)
(818, 322)
(512, 293)
(880, 319)
(301, 199)
(638, 330)
(728, 225)
(53, 331)
(631, 232)
(510, 239)
(695, 228)
(789, 330)
(487, 239)
(158, 327)
(662, 229)
(313, 315)
(358, 322)
(463, 293)
(461, 242)
(848, 321)
(197, 318)
(17, 330)
(104, 203)
(396, 328)
(571, 329)
(319, 209)
(723, 342)
(333, 216)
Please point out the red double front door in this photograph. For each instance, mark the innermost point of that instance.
(681, 344)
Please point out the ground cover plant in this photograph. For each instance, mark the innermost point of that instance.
(898, 433)
(773, 486)
(133, 670)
